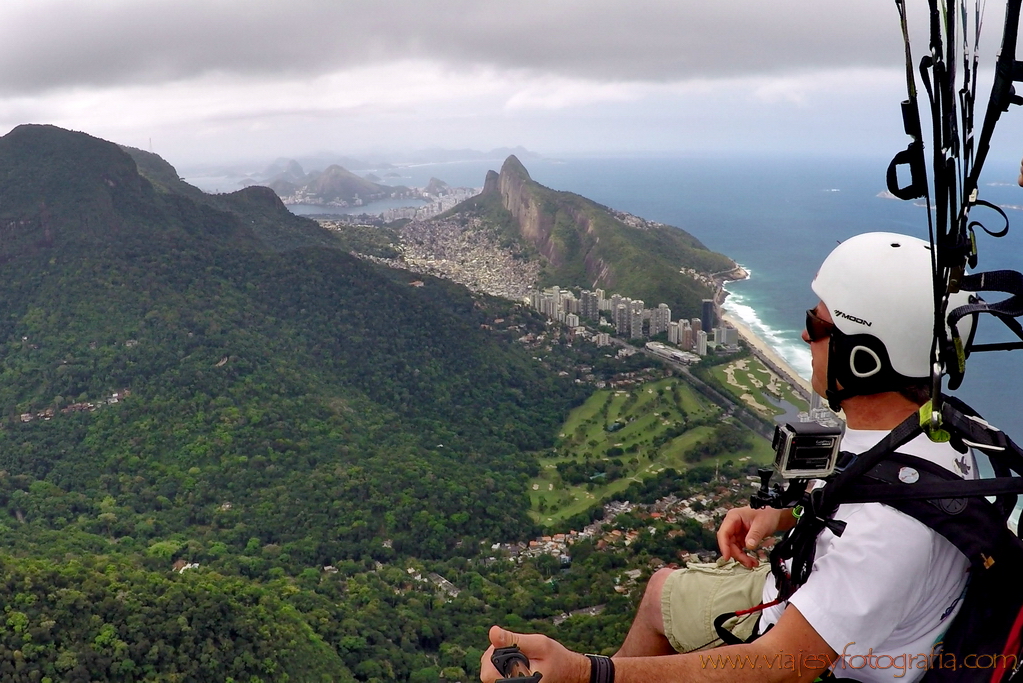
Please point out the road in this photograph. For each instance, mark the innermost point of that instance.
(726, 403)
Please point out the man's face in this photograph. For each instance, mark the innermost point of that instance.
(819, 349)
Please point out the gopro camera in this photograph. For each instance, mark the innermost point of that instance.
(806, 450)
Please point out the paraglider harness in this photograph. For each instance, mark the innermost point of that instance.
(989, 625)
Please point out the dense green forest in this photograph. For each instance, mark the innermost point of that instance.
(231, 451)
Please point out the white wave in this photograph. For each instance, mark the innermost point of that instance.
(787, 343)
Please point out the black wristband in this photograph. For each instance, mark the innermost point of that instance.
(602, 669)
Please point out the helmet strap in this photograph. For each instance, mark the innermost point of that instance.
(835, 396)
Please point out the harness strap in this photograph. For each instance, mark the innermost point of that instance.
(913, 155)
(819, 508)
(959, 512)
(1002, 281)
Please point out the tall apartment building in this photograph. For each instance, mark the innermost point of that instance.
(636, 316)
(572, 320)
(707, 320)
(621, 318)
(686, 333)
(550, 305)
(674, 333)
(659, 319)
(589, 304)
(701, 343)
(729, 336)
(697, 325)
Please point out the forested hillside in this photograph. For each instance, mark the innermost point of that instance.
(583, 244)
(186, 379)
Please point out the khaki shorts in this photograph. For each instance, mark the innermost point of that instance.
(692, 598)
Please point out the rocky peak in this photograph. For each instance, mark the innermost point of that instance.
(517, 196)
(513, 167)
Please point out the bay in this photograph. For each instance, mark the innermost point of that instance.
(372, 209)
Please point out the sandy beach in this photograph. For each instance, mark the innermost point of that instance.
(768, 354)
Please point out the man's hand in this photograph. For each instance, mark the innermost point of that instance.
(1020, 179)
(557, 663)
(744, 528)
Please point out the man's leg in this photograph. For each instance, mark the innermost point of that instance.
(678, 601)
(646, 635)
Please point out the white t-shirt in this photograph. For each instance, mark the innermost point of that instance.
(884, 592)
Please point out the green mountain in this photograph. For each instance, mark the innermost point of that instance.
(334, 185)
(583, 244)
(187, 379)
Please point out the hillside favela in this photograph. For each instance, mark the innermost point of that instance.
(243, 444)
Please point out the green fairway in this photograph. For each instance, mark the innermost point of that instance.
(621, 436)
(753, 383)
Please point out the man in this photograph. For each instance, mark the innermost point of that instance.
(883, 593)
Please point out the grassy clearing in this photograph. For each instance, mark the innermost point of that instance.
(640, 432)
(753, 383)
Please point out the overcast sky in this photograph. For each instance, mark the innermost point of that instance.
(223, 80)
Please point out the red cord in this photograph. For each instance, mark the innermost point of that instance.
(1012, 648)
(761, 606)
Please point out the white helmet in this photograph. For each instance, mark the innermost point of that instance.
(878, 288)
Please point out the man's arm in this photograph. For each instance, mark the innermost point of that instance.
(790, 652)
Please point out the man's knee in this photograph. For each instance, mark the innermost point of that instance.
(656, 583)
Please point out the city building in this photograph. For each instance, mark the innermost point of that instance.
(707, 319)
(701, 343)
(729, 336)
(621, 318)
(636, 317)
(659, 319)
(589, 305)
(569, 304)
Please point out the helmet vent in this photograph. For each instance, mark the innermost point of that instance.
(896, 245)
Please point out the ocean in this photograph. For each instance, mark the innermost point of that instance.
(779, 218)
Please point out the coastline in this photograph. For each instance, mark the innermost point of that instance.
(760, 348)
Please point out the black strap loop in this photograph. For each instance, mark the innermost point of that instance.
(913, 157)
(999, 210)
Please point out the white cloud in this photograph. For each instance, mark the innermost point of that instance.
(562, 93)
(245, 77)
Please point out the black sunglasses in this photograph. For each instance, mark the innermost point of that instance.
(816, 327)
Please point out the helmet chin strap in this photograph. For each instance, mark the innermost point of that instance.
(834, 395)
